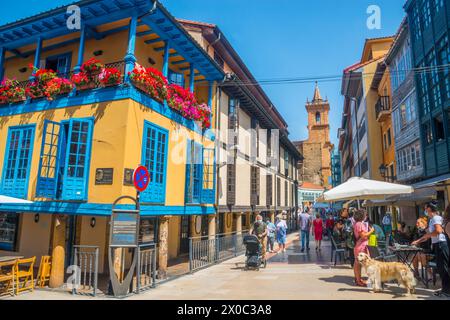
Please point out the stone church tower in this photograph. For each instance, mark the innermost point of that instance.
(316, 150)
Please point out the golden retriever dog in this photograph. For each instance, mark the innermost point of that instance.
(380, 272)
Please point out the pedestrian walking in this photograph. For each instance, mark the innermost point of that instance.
(329, 225)
(259, 229)
(387, 226)
(362, 234)
(271, 234)
(318, 231)
(305, 228)
(440, 246)
(281, 234)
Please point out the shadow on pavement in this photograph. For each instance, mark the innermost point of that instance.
(349, 280)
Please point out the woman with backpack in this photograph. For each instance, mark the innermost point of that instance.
(362, 234)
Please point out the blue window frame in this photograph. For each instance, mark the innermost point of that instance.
(16, 168)
(59, 63)
(64, 165)
(200, 175)
(176, 78)
(154, 158)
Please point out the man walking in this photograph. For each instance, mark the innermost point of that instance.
(271, 233)
(305, 228)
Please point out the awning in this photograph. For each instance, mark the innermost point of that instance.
(418, 197)
(432, 182)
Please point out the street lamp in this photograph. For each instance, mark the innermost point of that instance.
(383, 170)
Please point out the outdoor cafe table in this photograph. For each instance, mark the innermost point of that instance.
(407, 254)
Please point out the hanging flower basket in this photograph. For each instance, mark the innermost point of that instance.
(150, 81)
(58, 86)
(82, 81)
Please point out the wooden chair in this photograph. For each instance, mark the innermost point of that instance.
(7, 275)
(44, 271)
(24, 274)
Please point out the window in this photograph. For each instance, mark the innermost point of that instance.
(439, 128)
(286, 163)
(417, 27)
(317, 117)
(426, 13)
(408, 158)
(176, 78)
(401, 65)
(231, 184)
(438, 5)
(286, 193)
(389, 137)
(60, 63)
(200, 175)
(269, 188)
(148, 230)
(154, 158)
(278, 192)
(428, 133)
(16, 167)
(64, 162)
(9, 226)
(444, 59)
(423, 90)
(254, 185)
(435, 86)
(254, 153)
(385, 141)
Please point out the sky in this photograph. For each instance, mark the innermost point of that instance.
(280, 39)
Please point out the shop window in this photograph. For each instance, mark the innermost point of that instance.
(64, 162)
(9, 226)
(16, 166)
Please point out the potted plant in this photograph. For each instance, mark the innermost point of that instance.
(151, 81)
(205, 114)
(110, 77)
(36, 87)
(82, 81)
(57, 86)
(92, 68)
(11, 92)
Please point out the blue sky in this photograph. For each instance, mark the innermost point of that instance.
(279, 39)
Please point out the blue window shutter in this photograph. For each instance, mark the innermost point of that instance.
(77, 159)
(16, 168)
(154, 158)
(208, 184)
(188, 189)
(197, 173)
(47, 179)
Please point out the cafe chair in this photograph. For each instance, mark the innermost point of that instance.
(24, 274)
(43, 275)
(337, 250)
(7, 275)
(431, 265)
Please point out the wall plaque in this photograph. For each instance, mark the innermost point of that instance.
(104, 176)
(128, 177)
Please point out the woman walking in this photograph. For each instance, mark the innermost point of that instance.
(318, 231)
(362, 233)
(440, 246)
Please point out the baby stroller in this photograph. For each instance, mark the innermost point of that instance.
(253, 253)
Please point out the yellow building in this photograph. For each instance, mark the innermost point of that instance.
(74, 156)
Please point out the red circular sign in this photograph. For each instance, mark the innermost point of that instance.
(141, 178)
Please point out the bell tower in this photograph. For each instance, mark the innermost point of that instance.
(317, 148)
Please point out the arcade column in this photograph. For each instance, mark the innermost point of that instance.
(163, 249)
(58, 251)
(238, 222)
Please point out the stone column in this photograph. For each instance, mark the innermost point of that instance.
(163, 249)
(211, 226)
(238, 223)
(58, 252)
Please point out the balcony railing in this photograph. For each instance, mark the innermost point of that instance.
(383, 107)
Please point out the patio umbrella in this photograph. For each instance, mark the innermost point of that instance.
(418, 197)
(6, 199)
(364, 189)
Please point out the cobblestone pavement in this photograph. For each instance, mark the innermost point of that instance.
(289, 275)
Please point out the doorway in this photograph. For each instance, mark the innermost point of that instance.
(185, 232)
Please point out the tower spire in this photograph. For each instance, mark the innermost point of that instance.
(317, 96)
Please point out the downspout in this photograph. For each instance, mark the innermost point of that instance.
(217, 143)
(219, 37)
(152, 10)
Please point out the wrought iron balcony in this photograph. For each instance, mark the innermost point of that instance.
(383, 108)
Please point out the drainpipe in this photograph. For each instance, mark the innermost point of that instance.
(152, 10)
(219, 37)
(217, 143)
